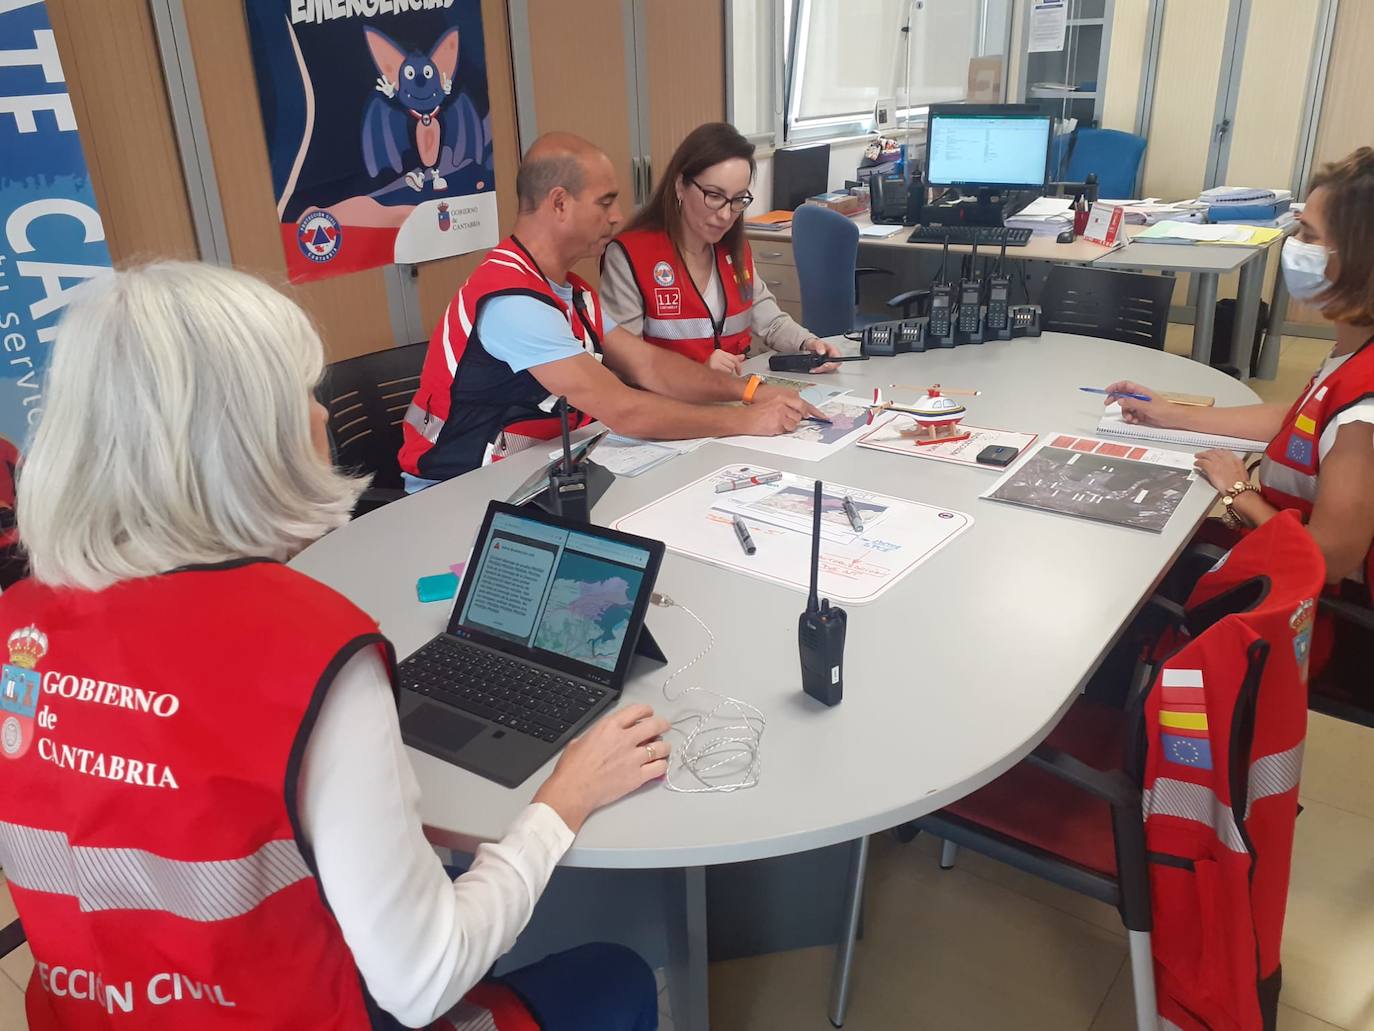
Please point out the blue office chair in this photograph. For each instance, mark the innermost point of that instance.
(825, 246)
(1114, 156)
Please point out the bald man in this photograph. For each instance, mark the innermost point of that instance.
(523, 331)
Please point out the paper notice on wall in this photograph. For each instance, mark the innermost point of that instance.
(1048, 20)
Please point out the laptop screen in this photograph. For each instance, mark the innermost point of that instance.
(567, 595)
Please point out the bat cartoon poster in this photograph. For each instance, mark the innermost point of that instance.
(51, 236)
(378, 130)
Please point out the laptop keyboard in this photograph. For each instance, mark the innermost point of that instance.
(523, 698)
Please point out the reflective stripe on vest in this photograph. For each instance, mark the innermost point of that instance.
(422, 422)
(1196, 802)
(1270, 775)
(1275, 774)
(1287, 480)
(130, 878)
(696, 329)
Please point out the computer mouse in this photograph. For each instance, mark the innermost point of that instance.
(1065, 237)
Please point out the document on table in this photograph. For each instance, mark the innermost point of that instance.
(1103, 480)
(1170, 231)
(897, 434)
(855, 567)
(627, 456)
(813, 441)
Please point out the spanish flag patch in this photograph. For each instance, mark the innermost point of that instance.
(1183, 718)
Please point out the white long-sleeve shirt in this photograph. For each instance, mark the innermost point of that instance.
(419, 939)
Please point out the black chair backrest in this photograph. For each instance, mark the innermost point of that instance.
(1128, 306)
(367, 398)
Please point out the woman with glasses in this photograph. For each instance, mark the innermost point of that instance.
(681, 276)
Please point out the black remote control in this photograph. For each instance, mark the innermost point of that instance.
(820, 630)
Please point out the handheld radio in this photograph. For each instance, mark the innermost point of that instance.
(997, 321)
(805, 361)
(820, 630)
(940, 328)
(568, 482)
(969, 322)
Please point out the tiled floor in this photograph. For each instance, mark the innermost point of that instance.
(985, 948)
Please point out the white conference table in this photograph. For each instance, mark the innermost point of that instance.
(951, 677)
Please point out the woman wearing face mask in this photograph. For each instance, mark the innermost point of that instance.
(1321, 457)
(681, 274)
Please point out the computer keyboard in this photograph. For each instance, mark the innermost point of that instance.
(523, 698)
(982, 235)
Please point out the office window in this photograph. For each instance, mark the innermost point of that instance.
(755, 75)
(848, 54)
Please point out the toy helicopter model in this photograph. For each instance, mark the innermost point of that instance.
(937, 415)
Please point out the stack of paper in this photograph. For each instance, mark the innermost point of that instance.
(1044, 216)
(1243, 195)
(1170, 231)
(1151, 210)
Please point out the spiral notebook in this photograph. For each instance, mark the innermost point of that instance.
(1114, 426)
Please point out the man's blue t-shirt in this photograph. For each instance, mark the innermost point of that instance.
(524, 332)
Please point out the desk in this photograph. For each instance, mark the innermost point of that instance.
(914, 731)
(1208, 262)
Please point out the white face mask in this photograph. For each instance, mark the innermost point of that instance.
(1304, 268)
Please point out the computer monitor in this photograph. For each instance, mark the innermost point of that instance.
(798, 174)
(1004, 146)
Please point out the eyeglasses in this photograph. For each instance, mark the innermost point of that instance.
(715, 200)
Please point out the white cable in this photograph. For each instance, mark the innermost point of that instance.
(721, 748)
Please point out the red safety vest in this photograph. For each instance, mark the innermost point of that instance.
(1292, 462)
(1223, 759)
(471, 408)
(151, 737)
(675, 313)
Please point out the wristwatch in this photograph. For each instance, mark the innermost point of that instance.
(1229, 515)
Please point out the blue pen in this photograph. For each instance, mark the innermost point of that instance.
(817, 418)
(1116, 393)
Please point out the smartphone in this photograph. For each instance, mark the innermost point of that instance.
(998, 454)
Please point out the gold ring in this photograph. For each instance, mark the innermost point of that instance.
(650, 749)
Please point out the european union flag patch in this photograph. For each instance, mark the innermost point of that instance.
(1300, 450)
(1187, 751)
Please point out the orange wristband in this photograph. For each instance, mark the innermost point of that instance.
(751, 388)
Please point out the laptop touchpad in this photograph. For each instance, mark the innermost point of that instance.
(441, 727)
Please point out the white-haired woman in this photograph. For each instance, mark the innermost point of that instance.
(206, 813)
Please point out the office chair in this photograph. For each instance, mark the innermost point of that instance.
(1128, 306)
(1073, 811)
(825, 245)
(367, 398)
(1113, 156)
(1054, 827)
(1344, 688)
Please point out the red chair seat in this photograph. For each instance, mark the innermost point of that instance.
(1037, 808)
